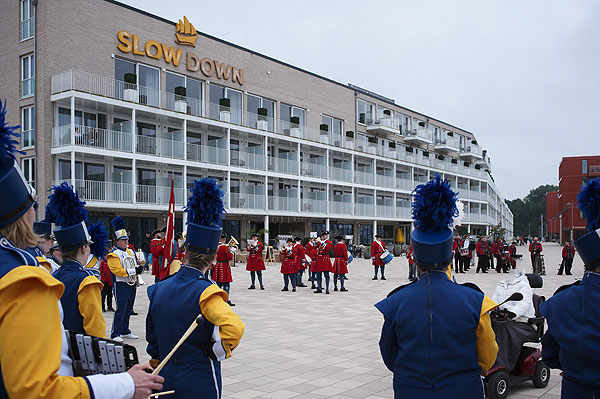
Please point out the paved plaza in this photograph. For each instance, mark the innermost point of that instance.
(310, 345)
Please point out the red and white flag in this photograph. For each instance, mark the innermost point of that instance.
(168, 254)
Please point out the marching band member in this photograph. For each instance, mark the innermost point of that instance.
(309, 250)
(412, 268)
(195, 369)
(340, 264)
(456, 246)
(535, 248)
(44, 242)
(81, 300)
(222, 271)
(437, 336)
(124, 267)
(573, 316)
(568, 253)
(157, 246)
(34, 361)
(377, 248)
(300, 259)
(289, 268)
(482, 250)
(322, 264)
(256, 263)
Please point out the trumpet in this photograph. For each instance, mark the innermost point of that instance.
(233, 244)
(128, 264)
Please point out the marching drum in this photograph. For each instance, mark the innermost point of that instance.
(386, 257)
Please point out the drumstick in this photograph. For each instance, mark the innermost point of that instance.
(156, 395)
(197, 321)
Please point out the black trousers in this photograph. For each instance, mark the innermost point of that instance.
(567, 264)
(482, 263)
(107, 296)
(458, 263)
(499, 264)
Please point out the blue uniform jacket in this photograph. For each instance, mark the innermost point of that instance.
(429, 338)
(174, 304)
(572, 341)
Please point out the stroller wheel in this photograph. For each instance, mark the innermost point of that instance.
(541, 376)
(498, 385)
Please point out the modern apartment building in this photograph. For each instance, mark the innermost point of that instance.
(119, 103)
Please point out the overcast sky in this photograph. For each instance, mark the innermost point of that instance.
(523, 76)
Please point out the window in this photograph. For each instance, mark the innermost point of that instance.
(235, 103)
(27, 127)
(584, 168)
(146, 177)
(335, 128)
(287, 112)
(193, 93)
(27, 21)
(149, 85)
(64, 170)
(28, 166)
(94, 172)
(27, 76)
(364, 112)
(258, 121)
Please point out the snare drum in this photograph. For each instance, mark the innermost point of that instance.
(386, 257)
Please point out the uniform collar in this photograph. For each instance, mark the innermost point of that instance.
(71, 264)
(191, 271)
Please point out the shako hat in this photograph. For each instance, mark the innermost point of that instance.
(68, 213)
(119, 228)
(204, 211)
(100, 240)
(433, 210)
(22, 196)
(588, 246)
(43, 229)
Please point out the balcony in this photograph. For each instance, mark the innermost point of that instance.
(207, 154)
(159, 147)
(364, 177)
(385, 181)
(448, 144)
(287, 204)
(313, 206)
(101, 191)
(158, 195)
(311, 169)
(247, 201)
(283, 165)
(340, 208)
(403, 213)
(404, 184)
(340, 174)
(471, 152)
(93, 137)
(385, 125)
(418, 136)
(363, 210)
(186, 105)
(385, 211)
(485, 162)
(247, 160)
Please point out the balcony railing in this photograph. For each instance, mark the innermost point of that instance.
(363, 209)
(422, 134)
(158, 195)
(187, 105)
(283, 203)
(101, 191)
(92, 137)
(340, 208)
(313, 206)
(260, 122)
(385, 181)
(247, 201)
(385, 211)
(159, 147)
(248, 159)
(313, 170)
(283, 165)
(404, 184)
(340, 174)
(403, 213)
(208, 154)
(364, 177)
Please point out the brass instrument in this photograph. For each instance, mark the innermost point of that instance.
(233, 244)
(128, 264)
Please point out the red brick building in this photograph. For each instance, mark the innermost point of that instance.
(563, 218)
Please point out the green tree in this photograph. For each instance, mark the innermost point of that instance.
(527, 211)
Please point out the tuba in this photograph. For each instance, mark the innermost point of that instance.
(128, 264)
(233, 244)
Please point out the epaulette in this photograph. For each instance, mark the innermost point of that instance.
(567, 286)
(473, 286)
(399, 288)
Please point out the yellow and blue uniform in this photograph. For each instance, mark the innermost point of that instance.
(437, 338)
(195, 369)
(571, 341)
(124, 293)
(81, 300)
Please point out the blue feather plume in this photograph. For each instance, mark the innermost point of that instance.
(8, 136)
(64, 206)
(434, 205)
(588, 200)
(118, 223)
(205, 205)
(100, 239)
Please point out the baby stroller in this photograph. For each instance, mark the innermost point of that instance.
(529, 366)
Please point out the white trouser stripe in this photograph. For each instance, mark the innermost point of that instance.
(215, 378)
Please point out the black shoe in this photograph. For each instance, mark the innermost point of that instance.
(252, 287)
(262, 287)
(134, 313)
(111, 310)
(335, 288)
(327, 292)
(103, 310)
(230, 303)
(318, 292)
(559, 274)
(294, 289)
(313, 288)
(301, 285)
(284, 289)
(343, 289)
(383, 278)
(569, 274)
(374, 278)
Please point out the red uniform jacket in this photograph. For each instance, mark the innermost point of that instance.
(323, 263)
(157, 246)
(376, 252)
(537, 246)
(255, 260)
(482, 248)
(105, 272)
(309, 250)
(409, 256)
(222, 271)
(496, 249)
(512, 250)
(299, 259)
(340, 252)
(457, 245)
(566, 250)
(288, 266)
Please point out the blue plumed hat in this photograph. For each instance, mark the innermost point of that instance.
(22, 196)
(588, 246)
(118, 225)
(433, 209)
(68, 212)
(43, 229)
(204, 210)
(100, 239)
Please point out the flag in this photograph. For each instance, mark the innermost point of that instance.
(168, 250)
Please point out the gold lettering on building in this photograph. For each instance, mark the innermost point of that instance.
(223, 71)
(125, 45)
(171, 55)
(238, 75)
(207, 67)
(153, 44)
(192, 62)
(136, 50)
